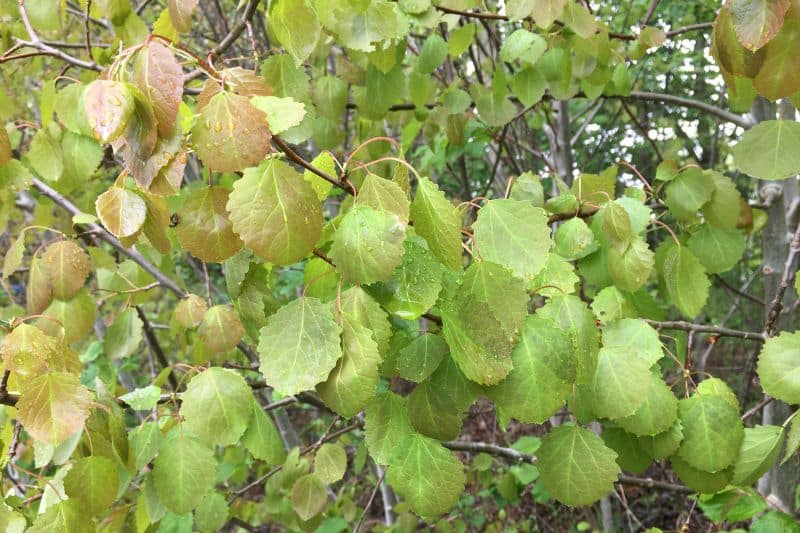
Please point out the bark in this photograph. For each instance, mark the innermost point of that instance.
(780, 482)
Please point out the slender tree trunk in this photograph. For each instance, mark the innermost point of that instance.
(779, 482)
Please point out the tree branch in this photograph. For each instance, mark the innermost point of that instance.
(776, 306)
(519, 457)
(739, 120)
(701, 328)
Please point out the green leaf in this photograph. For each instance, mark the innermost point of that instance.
(779, 367)
(689, 192)
(760, 448)
(712, 432)
(82, 155)
(327, 163)
(363, 308)
(524, 45)
(217, 406)
(426, 475)
(574, 239)
(362, 25)
(719, 388)
(529, 86)
(221, 329)
(284, 77)
(683, 279)
(351, 385)
(67, 516)
(77, 315)
(570, 314)
(556, 278)
(635, 338)
(724, 207)
(767, 150)
(538, 385)
(184, 472)
(792, 440)
(124, 335)
(330, 462)
(438, 222)
(282, 113)
(513, 234)
(383, 195)
(773, 521)
(309, 497)
(262, 438)
(276, 212)
(616, 226)
(299, 346)
(545, 12)
(630, 270)
(482, 324)
(212, 513)
(664, 444)
(620, 383)
(657, 413)
(494, 108)
(204, 229)
(578, 18)
(612, 304)
(144, 442)
(230, 134)
(718, 250)
(53, 406)
(45, 156)
(142, 399)
(368, 245)
(108, 106)
(94, 482)
(432, 54)
(14, 255)
(296, 27)
(121, 211)
(386, 425)
(700, 480)
(460, 39)
(630, 455)
(421, 357)
(575, 466)
(414, 286)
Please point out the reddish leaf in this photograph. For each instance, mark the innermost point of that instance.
(757, 21)
(108, 105)
(158, 75)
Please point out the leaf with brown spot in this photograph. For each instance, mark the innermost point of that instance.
(204, 229)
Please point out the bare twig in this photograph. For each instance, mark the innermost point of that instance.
(701, 328)
(361, 518)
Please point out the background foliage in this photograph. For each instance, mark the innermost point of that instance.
(342, 265)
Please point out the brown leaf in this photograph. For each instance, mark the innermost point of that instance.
(139, 141)
(757, 21)
(159, 76)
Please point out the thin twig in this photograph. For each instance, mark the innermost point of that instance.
(701, 328)
(361, 518)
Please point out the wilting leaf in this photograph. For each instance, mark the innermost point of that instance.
(158, 75)
(108, 105)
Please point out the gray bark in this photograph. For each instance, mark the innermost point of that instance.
(780, 482)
